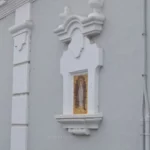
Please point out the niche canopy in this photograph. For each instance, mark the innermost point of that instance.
(89, 26)
(80, 67)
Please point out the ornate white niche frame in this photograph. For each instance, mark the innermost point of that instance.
(81, 57)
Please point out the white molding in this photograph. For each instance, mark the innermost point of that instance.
(80, 124)
(90, 62)
(22, 37)
(21, 33)
(97, 6)
(26, 25)
(11, 5)
(91, 25)
(81, 57)
(20, 109)
(19, 138)
(21, 79)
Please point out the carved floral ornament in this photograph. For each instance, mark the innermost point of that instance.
(80, 66)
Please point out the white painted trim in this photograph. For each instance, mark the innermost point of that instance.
(82, 56)
(11, 5)
(21, 33)
(21, 78)
(25, 25)
(90, 25)
(19, 138)
(80, 124)
(20, 110)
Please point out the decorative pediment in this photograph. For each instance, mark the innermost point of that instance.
(90, 25)
(80, 67)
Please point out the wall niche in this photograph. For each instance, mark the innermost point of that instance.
(80, 67)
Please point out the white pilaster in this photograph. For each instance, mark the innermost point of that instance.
(21, 33)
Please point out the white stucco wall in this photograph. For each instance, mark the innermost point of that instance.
(120, 79)
(6, 57)
(148, 24)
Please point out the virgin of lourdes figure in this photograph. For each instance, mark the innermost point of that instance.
(81, 93)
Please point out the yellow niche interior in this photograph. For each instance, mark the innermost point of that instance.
(80, 94)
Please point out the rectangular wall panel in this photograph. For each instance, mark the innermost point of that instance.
(20, 79)
(20, 109)
(19, 138)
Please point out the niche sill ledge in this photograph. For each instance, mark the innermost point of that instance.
(80, 124)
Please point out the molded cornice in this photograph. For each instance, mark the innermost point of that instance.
(90, 25)
(24, 25)
(80, 124)
(9, 6)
